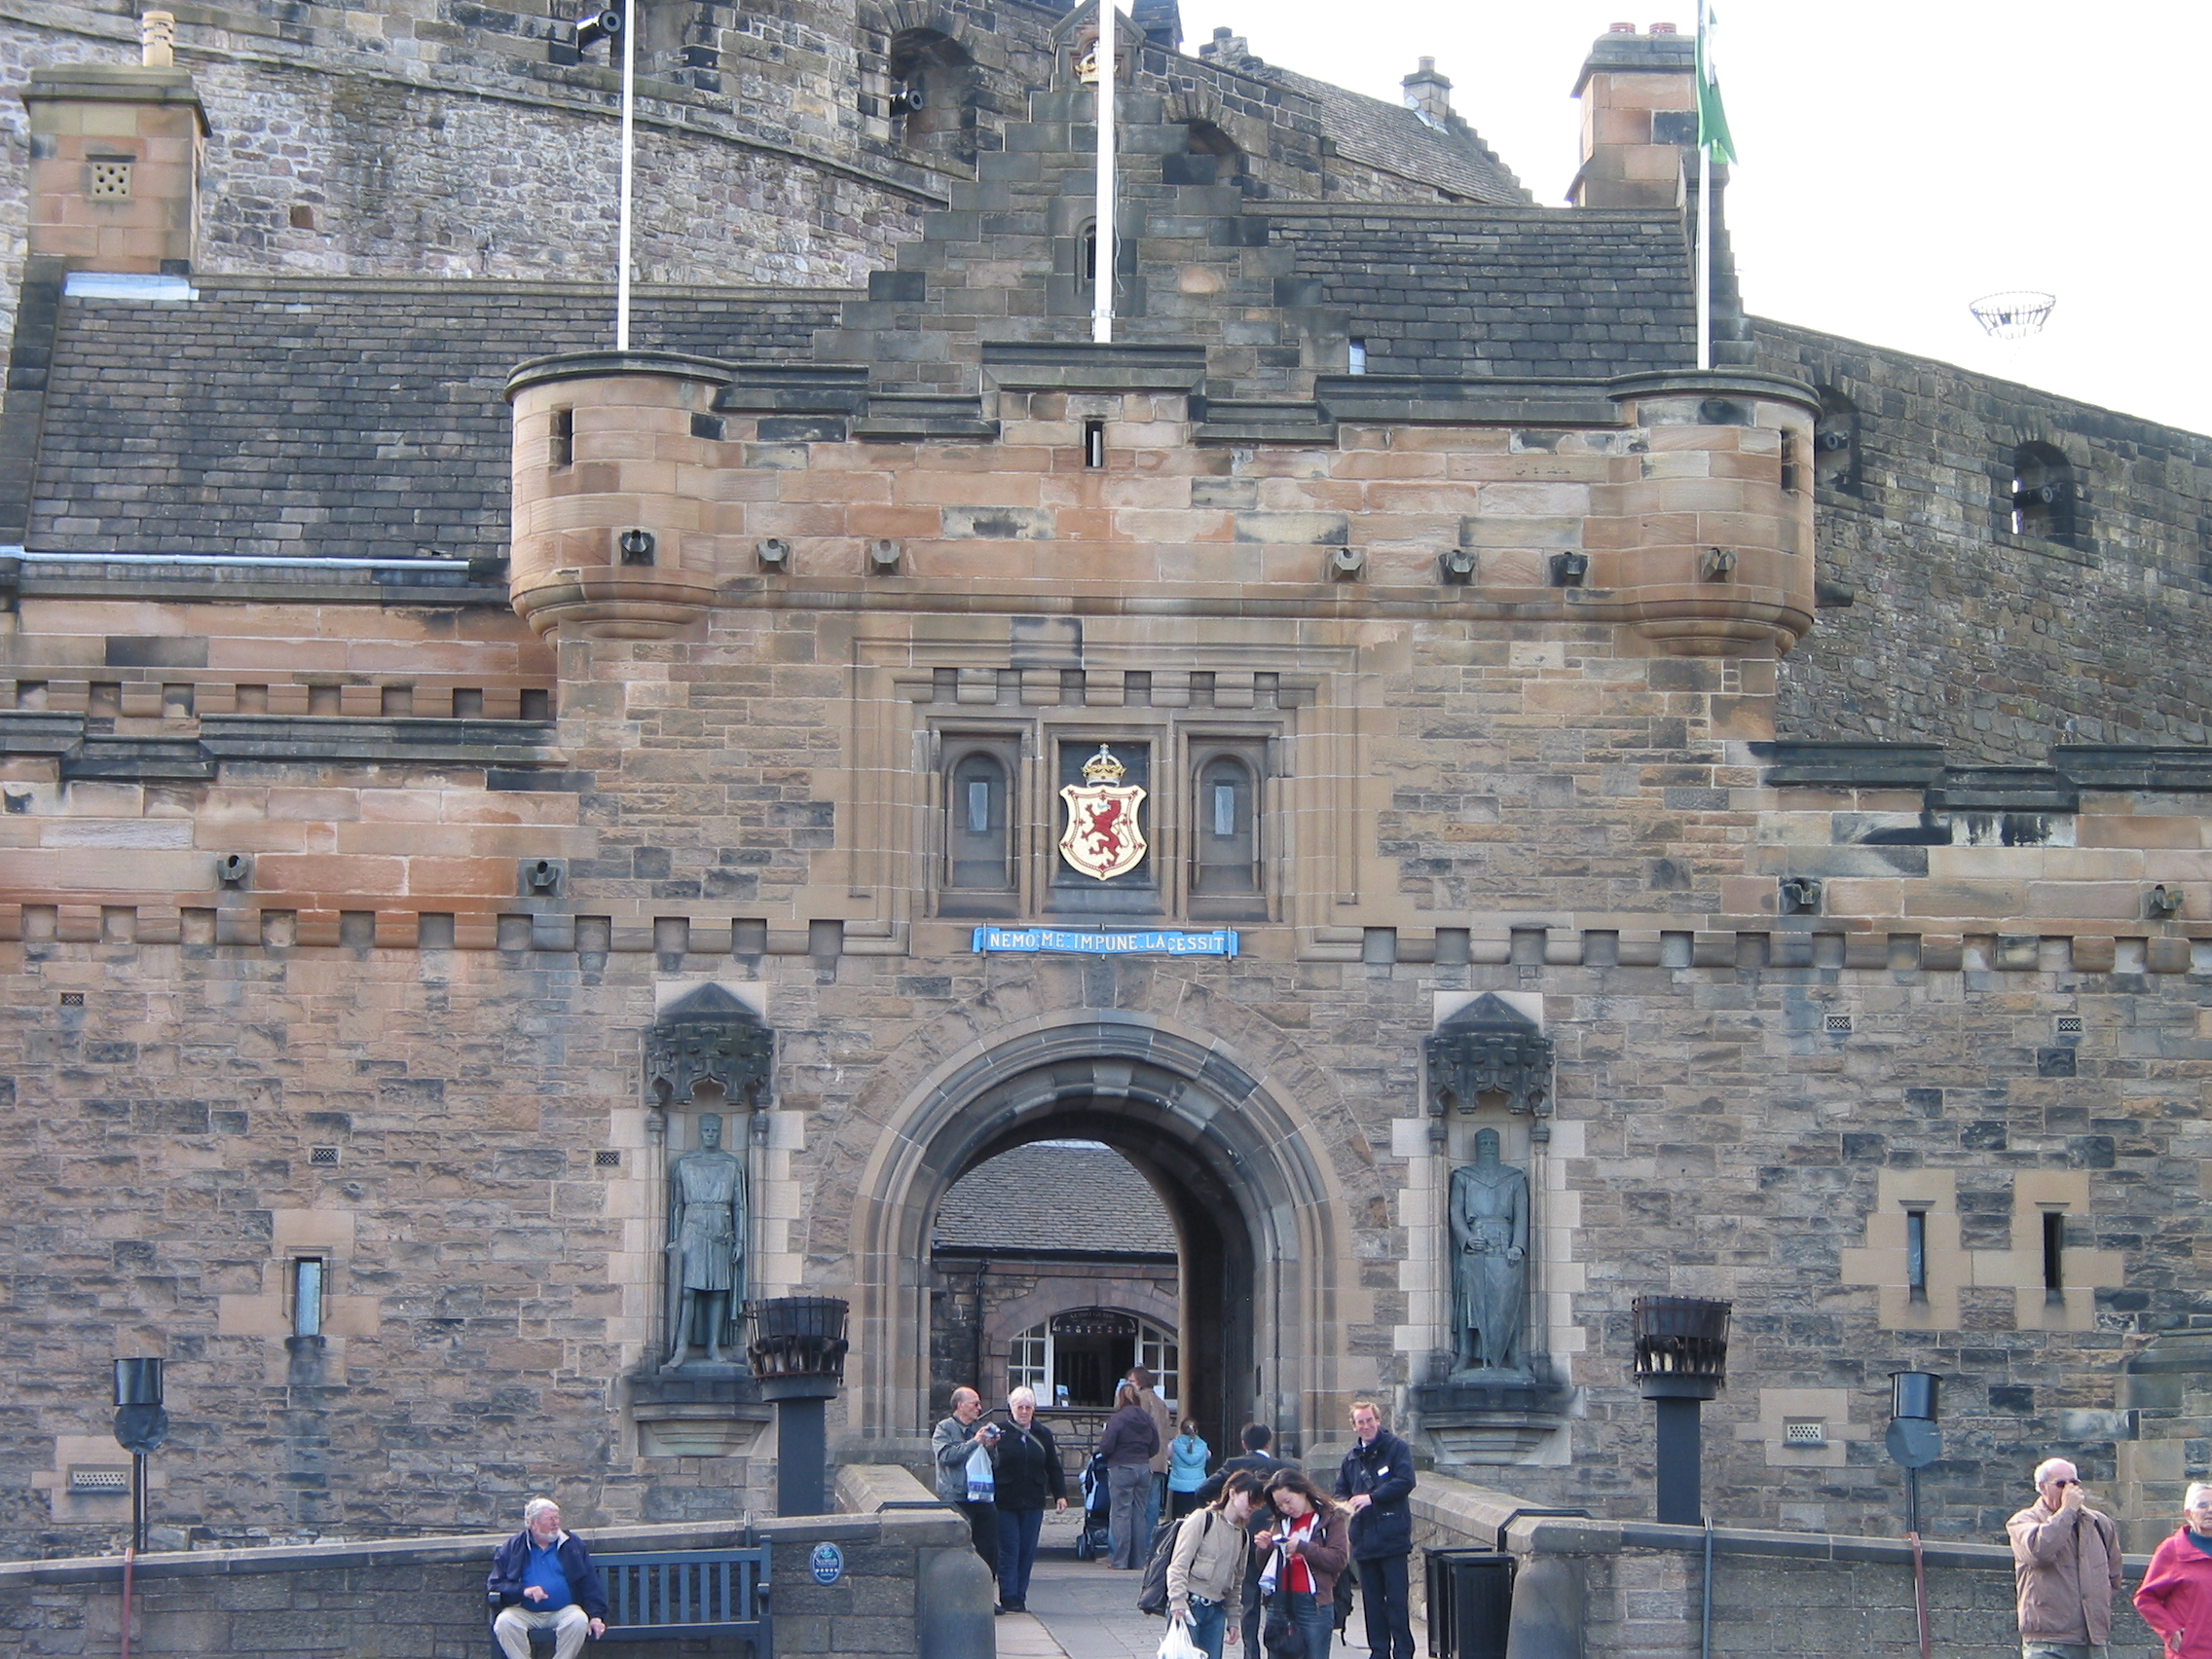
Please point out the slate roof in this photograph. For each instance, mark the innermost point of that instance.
(1058, 1197)
(1499, 291)
(1394, 139)
(329, 418)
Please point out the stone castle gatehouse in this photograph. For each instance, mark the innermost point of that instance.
(1384, 716)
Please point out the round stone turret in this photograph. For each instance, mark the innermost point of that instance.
(614, 490)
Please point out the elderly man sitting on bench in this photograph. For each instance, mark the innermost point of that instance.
(543, 1580)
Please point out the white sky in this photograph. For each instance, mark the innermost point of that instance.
(1899, 159)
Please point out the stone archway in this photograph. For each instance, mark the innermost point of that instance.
(1257, 1205)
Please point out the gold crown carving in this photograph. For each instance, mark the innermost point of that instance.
(1102, 769)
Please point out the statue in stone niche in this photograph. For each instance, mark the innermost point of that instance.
(706, 1246)
(1490, 1261)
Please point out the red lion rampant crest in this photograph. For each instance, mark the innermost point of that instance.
(1102, 838)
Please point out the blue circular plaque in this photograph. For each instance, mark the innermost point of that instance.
(827, 1563)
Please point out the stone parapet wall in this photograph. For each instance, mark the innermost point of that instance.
(1637, 1590)
(422, 1596)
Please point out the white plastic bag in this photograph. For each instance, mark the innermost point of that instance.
(1177, 1642)
(982, 1484)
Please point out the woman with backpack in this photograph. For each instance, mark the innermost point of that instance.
(1303, 1554)
(1205, 1575)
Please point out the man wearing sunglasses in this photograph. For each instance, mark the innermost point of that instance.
(2066, 1562)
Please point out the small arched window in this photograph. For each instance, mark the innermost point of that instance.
(978, 839)
(1225, 840)
(2046, 500)
(1087, 255)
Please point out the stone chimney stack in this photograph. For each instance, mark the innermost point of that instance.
(1639, 118)
(1230, 51)
(115, 160)
(1429, 94)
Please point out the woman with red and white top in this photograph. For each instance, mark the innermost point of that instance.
(1309, 1546)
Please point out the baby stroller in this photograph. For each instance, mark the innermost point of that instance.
(1095, 1539)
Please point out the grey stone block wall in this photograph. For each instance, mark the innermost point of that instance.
(1966, 634)
(425, 1600)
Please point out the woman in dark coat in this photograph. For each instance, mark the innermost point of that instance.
(1128, 1444)
(1029, 1477)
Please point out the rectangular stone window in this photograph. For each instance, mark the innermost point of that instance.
(2054, 1254)
(110, 181)
(560, 451)
(1916, 1254)
(306, 1296)
(1226, 829)
(981, 774)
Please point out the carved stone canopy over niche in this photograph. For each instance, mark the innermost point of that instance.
(709, 1037)
(1489, 1047)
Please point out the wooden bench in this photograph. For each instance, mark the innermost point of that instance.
(677, 1594)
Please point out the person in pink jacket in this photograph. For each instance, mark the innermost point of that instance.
(2176, 1598)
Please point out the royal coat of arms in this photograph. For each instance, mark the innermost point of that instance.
(1102, 838)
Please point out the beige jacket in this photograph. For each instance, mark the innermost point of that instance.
(2068, 1572)
(1208, 1561)
(1156, 1409)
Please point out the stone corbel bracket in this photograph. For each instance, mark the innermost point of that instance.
(709, 1037)
(1491, 1048)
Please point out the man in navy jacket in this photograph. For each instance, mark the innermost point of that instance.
(1374, 1481)
(543, 1580)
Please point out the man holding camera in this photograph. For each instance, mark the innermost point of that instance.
(2066, 1563)
(955, 1442)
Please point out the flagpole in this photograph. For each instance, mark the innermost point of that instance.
(629, 147)
(1102, 301)
(1704, 212)
(1704, 257)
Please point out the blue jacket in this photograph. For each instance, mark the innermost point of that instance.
(503, 1588)
(1187, 1458)
(1384, 1469)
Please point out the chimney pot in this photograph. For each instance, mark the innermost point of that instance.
(1620, 28)
(1662, 28)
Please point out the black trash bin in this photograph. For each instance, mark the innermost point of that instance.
(1470, 1603)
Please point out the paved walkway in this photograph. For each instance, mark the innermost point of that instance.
(1083, 1610)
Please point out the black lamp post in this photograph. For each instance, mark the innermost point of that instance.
(1681, 1361)
(141, 1427)
(798, 1349)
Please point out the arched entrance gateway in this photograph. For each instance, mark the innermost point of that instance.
(1235, 1164)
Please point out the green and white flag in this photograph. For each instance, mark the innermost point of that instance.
(1711, 119)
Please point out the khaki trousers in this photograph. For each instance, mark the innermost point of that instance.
(569, 1625)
